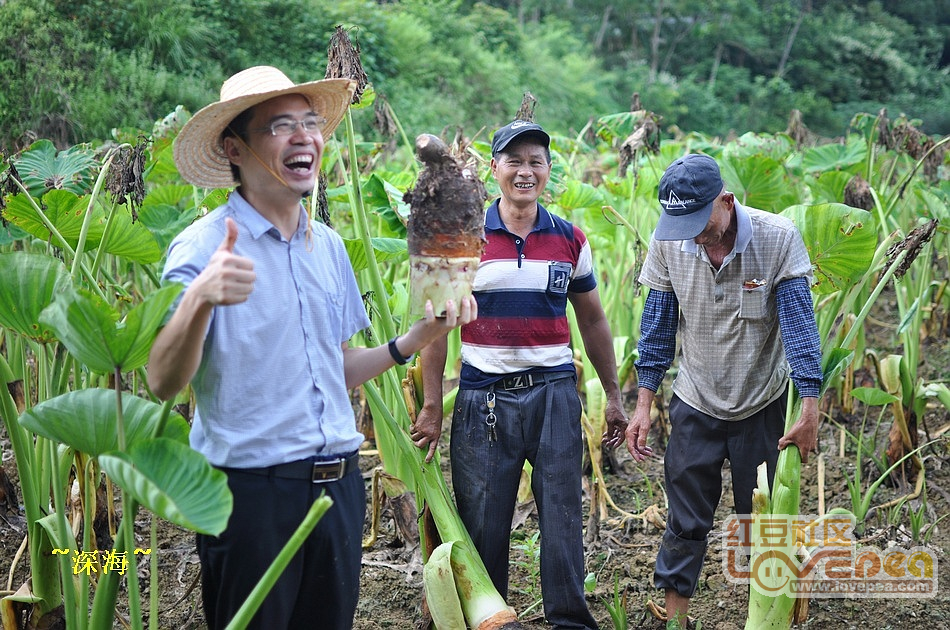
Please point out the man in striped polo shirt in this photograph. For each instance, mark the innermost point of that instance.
(734, 283)
(517, 397)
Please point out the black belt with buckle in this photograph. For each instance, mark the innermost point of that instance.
(521, 381)
(321, 471)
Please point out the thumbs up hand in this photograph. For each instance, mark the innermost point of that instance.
(228, 278)
(230, 236)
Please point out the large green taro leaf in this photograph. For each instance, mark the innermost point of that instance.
(87, 420)
(834, 157)
(165, 221)
(840, 240)
(384, 248)
(28, 284)
(579, 195)
(759, 182)
(93, 333)
(66, 211)
(385, 198)
(174, 482)
(829, 187)
(43, 168)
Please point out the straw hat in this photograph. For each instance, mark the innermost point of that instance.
(199, 154)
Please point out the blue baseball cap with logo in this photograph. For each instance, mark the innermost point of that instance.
(688, 189)
(514, 129)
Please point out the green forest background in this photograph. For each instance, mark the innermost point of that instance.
(74, 71)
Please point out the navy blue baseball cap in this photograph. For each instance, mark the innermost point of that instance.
(515, 129)
(688, 189)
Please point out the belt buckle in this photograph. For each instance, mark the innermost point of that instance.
(324, 472)
(519, 381)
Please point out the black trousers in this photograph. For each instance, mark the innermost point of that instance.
(698, 446)
(320, 587)
(541, 425)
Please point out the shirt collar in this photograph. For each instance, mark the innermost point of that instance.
(493, 219)
(743, 233)
(253, 221)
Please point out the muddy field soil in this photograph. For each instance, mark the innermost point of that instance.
(625, 549)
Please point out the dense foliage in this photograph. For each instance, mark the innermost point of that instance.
(74, 70)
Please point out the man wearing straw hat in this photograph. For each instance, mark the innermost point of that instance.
(261, 333)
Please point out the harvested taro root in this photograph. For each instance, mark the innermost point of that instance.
(446, 227)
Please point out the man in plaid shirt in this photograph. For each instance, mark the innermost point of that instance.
(734, 283)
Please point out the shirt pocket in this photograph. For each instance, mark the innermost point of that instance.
(754, 301)
(323, 314)
(559, 277)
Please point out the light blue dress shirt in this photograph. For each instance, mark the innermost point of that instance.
(270, 388)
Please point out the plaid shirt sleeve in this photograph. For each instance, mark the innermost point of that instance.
(796, 317)
(657, 345)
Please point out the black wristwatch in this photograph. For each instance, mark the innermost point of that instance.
(394, 353)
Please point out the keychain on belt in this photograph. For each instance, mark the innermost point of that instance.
(491, 419)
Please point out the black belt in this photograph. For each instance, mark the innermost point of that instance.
(314, 471)
(521, 381)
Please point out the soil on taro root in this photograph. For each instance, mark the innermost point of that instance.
(623, 548)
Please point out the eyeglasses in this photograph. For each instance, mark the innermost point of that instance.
(286, 127)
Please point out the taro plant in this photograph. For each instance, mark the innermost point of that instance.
(75, 350)
(860, 502)
(459, 590)
(529, 560)
(829, 228)
(916, 518)
(617, 606)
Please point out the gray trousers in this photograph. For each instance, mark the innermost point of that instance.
(698, 446)
(540, 424)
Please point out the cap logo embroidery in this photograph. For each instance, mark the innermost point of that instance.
(674, 202)
(519, 123)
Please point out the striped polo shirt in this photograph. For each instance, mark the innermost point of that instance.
(521, 287)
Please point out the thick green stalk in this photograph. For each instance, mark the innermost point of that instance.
(910, 294)
(45, 578)
(776, 612)
(899, 190)
(396, 448)
(107, 590)
(87, 219)
(362, 227)
(413, 164)
(59, 501)
(426, 478)
(101, 251)
(862, 315)
(153, 575)
(89, 517)
(385, 319)
(478, 596)
(128, 509)
(22, 443)
(266, 583)
(767, 611)
(828, 315)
